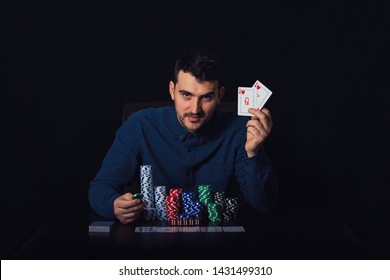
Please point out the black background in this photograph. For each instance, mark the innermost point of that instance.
(68, 67)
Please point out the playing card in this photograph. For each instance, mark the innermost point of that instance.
(189, 229)
(101, 226)
(145, 229)
(167, 229)
(211, 229)
(254, 97)
(233, 229)
(262, 93)
(246, 100)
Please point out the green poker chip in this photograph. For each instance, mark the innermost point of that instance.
(214, 211)
(205, 195)
(137, 195)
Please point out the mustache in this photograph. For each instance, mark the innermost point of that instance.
(198, 115)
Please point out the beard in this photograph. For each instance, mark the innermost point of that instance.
(199, 115)
(183, 117)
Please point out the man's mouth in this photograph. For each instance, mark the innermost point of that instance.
(194, 117)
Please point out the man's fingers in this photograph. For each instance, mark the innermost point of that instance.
(258, 128)
(127, 209)
(125, 204)
(266, 111)
(131, 215)
(261, 117)
(263, 114)
(127, 196)
(255, 132)
(135, 205)
(256, 124)
(127, 201)
(129, 219)
(126, 215)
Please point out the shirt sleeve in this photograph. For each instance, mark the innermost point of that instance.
(257, 180)
(118, 169)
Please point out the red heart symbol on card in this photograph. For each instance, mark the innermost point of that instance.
(242, 91)
(257, 86)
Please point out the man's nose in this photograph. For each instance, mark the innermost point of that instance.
(196, 106)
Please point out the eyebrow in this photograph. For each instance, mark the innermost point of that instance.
(190, 93)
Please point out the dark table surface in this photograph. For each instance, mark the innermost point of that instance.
(295, 234)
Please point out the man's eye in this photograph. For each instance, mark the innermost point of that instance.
(186, 95)
(207, 97)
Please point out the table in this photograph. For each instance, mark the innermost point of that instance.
(298, 234)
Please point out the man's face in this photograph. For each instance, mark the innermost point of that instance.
(195, 101)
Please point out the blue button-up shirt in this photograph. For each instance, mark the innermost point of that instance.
(181, 159)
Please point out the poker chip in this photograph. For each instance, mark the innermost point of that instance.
(187, 199)
(137, 195)
(188, 196)
(184, 215)
(160, 196)
(195, 209)
(173, 207)
(147, 190)
(149, 214)
(191, 208)
(231, 208)
(175, 193)
(205, 194)
(219, 197)
(214, 210)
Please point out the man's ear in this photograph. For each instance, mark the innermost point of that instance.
(221, 93)
(172, 90)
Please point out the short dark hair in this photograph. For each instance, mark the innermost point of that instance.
(201, 63)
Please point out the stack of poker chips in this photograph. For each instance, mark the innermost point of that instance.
(191, 207)
(173, 203)
(160, 197)
(173, 208)
(150, 214)
(149, 211)
(219, 197)
(176, 194)
(187, 198)
(205, 195)
(231, 208)
(217, 205)
(214, 210)
(182, 208)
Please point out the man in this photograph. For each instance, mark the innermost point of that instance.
(187, 145)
